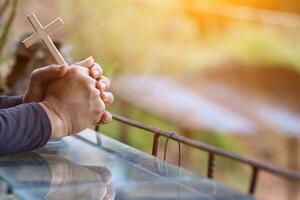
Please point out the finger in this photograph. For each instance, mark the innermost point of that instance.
(107, 97)
(88, 62)
(96, 71)
(106, 118)
(79, 69)
(96, 92)
(45, 74)
(103, 83)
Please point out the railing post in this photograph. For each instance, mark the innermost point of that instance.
(253, 182)
(211, 165)
(97, 128)
(155, 146)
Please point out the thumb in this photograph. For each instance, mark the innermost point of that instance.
(39, 80)
(88, 62)
(45, 74)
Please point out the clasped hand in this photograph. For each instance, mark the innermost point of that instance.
(74, 97)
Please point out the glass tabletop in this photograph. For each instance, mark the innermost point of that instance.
(93, 166)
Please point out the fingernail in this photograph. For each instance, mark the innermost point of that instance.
(104, 117)
(105, 96)
(108, 118)
(103, 86)
(90, 60)
(96, 72)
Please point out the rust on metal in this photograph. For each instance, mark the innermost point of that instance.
(211, 165)
(155, 146)
(256, 166)
(97, 128)
(179, 154)
(254, 178)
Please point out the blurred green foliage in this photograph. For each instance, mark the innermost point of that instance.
(140, 37)
(162, 37)
(264, 45)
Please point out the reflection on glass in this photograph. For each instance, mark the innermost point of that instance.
(56, 177)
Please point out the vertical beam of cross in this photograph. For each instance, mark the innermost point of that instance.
(42, 33)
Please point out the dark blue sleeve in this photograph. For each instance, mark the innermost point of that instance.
(7, 101)
(23, 127)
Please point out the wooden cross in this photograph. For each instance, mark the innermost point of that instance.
(42, 33)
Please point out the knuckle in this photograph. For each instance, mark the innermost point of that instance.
(35, 73)
(74, 70)
(93, 82)
(79, 74)
(96, 92)
(99, 111)
(53, 66)
(94, 95)
(90, 81)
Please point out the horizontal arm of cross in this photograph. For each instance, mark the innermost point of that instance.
(47, 30)
(42, 33)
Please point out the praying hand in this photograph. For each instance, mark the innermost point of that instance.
(60, 100)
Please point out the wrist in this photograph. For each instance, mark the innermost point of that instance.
(57, 124)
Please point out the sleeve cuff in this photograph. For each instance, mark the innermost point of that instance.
(45, 121)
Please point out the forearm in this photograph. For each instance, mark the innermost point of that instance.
(24, 127)
(10, 101)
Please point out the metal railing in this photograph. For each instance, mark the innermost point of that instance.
(212, 152)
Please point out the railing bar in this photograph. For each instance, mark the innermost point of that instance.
(179, 154)
(208, 148)
(141, 125)
(254, 178)
(155, 146)
(211, 165)
(97, 128)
